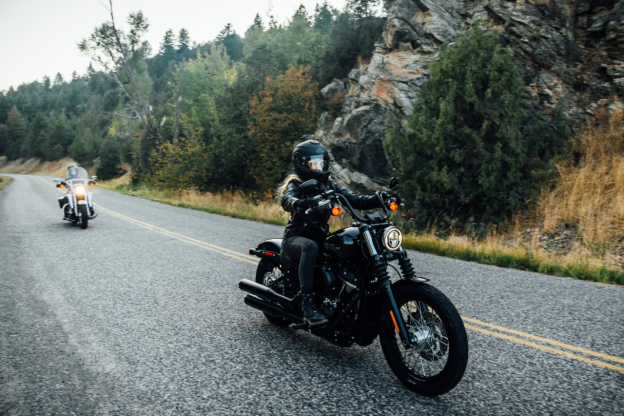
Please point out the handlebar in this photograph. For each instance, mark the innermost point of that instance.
(329, 196)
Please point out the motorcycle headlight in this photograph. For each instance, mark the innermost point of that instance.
(80, 190)
(392, 238)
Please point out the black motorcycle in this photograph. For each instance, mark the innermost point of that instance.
(421, 333)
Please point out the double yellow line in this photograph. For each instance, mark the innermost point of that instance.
(217, 249)
(529, 340)
(545, 344)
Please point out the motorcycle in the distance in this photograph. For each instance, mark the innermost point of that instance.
(422, 335)
(77, 204)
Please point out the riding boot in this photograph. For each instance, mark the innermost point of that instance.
(311, 314)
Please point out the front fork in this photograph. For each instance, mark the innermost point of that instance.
(395, 314)
(381, 274)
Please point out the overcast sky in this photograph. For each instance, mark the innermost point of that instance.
(39, 37)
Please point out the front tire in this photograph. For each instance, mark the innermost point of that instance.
(84, 216)
(438, 357)
(267, 273)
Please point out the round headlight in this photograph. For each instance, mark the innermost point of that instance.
(392, 238)
(80, 190)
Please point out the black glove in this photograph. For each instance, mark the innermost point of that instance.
(390, 197)
(306, 203)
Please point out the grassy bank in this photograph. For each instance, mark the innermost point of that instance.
(4, 181)
(493, 250)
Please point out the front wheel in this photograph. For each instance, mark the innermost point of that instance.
(84, 216)
(269, 274)
(437, 359)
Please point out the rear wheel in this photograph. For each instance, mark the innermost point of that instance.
(84, 216)
(268, 274)
(439, 354)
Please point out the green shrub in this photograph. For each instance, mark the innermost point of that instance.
(470, 148)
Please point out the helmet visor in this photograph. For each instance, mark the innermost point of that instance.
(317, 163)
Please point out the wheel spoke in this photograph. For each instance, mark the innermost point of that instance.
(428, 356)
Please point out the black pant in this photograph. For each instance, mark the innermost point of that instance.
(303, 251)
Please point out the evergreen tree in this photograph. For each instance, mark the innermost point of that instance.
(167, 48)
(82, 150)
(110, 161)
(16, 132)
(470, 148)
(360, 9)
(324, 16)
(4, 139)
(257, 23)
(184, 41)
(57, 152)
(58, 79)
(61, 134)
(37, 136)
(232, 42)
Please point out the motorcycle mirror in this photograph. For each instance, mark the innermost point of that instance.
(394, 184)
(308, 187)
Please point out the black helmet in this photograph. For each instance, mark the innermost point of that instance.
(311, 161)
(72, 171)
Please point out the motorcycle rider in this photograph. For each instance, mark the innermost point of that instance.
(72, 173)
(311, 161)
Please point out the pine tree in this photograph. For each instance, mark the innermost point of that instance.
(110, 161)
(257, 23)
(470, 149)
(16, 132)
(37, 136)
(82, 150)
(167, 47)
(58, 79)
(184, 41)
(323, 16)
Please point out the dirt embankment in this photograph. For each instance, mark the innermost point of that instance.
(38, 167)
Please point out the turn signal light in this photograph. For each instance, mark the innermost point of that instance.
(394, 206)
(336, 211)
(61, 186)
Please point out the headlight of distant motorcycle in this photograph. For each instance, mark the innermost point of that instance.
(80, 190)
(392, 238)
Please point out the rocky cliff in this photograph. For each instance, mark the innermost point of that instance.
(572, 53)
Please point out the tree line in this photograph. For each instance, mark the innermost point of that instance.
(213, 116)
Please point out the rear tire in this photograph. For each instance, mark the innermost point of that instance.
(265, 275)
(436, 363)
(84, 216)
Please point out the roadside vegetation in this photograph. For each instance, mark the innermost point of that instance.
(4, 181)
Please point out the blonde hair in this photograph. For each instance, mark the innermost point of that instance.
(289, 179)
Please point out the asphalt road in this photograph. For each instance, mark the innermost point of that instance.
(141, 314)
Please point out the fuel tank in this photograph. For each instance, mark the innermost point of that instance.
(343, 244)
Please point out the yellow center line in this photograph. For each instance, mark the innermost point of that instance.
(546, 340)
(238, 256)
(217, 249)
(180, 237)
(547, 349)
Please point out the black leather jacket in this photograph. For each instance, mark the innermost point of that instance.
(315, 226)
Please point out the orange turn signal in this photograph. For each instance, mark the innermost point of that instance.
(61, 186)
(336, 211)
(394, 206)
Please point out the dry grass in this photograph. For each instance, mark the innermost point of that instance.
(232, 204)
(4, 181)
(589, 196)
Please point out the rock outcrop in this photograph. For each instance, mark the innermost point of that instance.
(572, 52)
